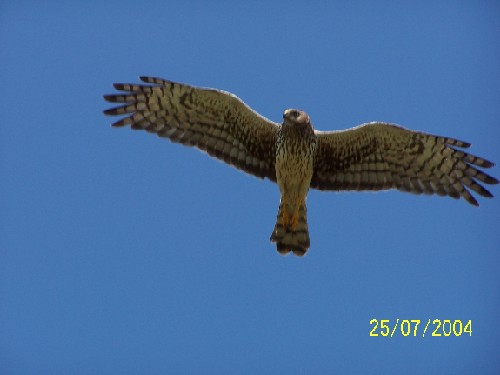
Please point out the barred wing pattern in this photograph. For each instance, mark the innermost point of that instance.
(211, 120)
(379, 156)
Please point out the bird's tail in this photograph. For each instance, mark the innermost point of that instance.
(289, 237)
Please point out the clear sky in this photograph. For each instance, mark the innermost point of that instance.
(124, 253)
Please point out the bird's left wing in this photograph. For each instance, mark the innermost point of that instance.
(378, 156)
(211, 120)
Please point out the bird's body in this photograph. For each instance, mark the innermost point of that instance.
(295, 150)
(373, 156)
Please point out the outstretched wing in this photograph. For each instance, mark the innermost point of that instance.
(214, 121)
(378, 156)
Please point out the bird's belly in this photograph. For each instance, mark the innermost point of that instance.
(293, 175)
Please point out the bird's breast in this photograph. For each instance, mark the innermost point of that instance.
(294, 164)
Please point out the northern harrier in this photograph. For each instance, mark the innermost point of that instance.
(372, 156)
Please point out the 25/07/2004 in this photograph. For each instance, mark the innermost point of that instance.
(439, 327)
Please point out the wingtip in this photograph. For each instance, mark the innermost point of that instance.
(474, 202)
(152, 80)
(108, 97)
(491, 180)
(489, 164)
(109, 111)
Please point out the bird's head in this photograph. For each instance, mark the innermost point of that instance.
(296, 117)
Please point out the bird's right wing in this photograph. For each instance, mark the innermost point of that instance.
(211, 120)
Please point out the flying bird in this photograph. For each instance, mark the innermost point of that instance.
(371, 156)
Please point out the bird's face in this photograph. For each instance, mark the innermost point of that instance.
(296, 117)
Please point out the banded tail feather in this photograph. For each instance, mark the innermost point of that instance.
(289, 239)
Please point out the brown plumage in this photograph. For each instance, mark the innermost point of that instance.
(373, 156)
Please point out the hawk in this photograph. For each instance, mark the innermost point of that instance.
(372, 156)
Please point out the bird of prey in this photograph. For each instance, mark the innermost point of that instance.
(372, 156)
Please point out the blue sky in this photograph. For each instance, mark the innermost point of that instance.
(124, 253)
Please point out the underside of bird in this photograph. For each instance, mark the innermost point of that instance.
(373, 156)
(291, 232)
